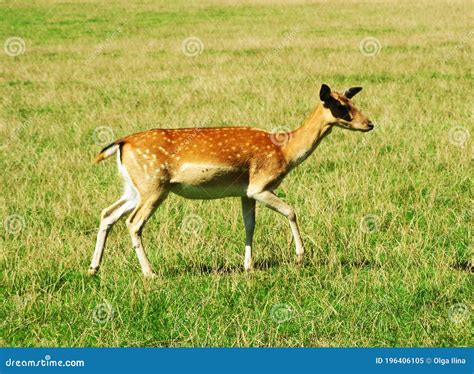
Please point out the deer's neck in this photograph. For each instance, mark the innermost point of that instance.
(304, 140)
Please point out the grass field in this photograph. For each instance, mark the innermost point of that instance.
(386, 216)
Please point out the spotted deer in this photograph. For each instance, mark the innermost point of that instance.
(213, 163)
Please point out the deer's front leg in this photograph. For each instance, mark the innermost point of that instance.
(248, 214)
(270, 200)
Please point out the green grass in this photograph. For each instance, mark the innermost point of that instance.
(121, 66)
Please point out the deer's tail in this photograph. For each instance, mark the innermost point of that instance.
(108, 151)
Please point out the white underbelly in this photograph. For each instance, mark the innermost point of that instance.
(207, 192)
(208, 181)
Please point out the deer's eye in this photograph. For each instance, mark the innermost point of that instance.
(342, 108)
(344, 112)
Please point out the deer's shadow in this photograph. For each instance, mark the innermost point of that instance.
(204, 269)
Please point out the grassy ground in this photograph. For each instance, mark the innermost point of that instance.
(386, 216)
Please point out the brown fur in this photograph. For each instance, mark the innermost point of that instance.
(209, 163)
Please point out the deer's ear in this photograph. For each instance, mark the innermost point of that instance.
(351, 92)
(325, 93)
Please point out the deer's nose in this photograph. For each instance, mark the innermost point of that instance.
(370, 125)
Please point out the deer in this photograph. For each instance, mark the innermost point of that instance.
(218, 162)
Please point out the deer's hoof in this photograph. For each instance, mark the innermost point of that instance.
(92, 271)
(299, 259)
(150, 275)
(248, 264)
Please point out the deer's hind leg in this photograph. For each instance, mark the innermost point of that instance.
(136, 221)
(113, 213)
(109, 216)
(149, 173)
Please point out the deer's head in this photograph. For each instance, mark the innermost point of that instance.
(339, 109)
